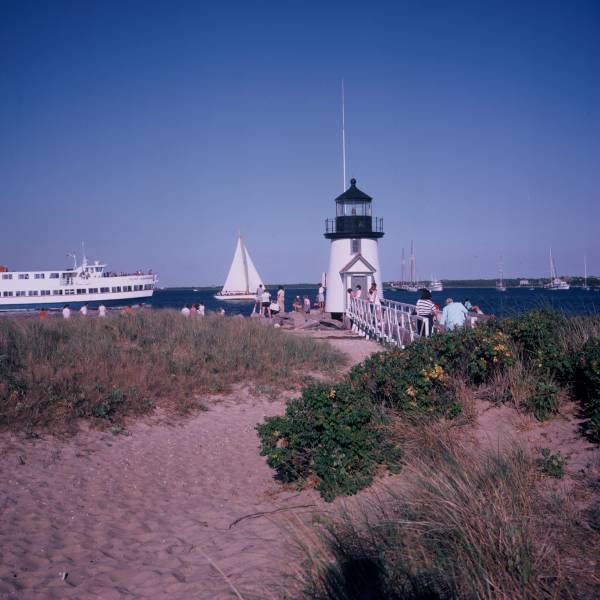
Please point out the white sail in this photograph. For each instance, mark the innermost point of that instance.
(243, 278)
(252, 277)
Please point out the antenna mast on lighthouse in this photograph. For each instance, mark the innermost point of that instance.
(343, 138)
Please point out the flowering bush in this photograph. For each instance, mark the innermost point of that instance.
(329, 434)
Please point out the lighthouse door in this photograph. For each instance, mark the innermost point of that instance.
(362, 281)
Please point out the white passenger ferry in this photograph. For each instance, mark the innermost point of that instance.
(88, 283)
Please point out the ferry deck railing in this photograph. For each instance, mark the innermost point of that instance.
(391, 322)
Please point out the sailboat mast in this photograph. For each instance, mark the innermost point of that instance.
(402, 267)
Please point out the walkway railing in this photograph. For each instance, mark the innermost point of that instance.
(392, 322)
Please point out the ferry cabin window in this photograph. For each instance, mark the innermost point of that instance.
(81, 291)
(39, 276)
(20, 293)
(57, 292)
(115, 290)
(138, 288)
(45, 293)
(93, 290)
(355, 246)
(23, 275)
(148, 286)
(7, 294)
(126, 288)
(33, 293)
(98, 269)
(104, 290)
(53, 275)
(69, 292)
(6, 275)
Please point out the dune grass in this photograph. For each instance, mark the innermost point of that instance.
(54, 372)
(461, 526)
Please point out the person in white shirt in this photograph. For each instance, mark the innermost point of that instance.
(373, 294)
(258, 301)
(66, 312)
(185, 311)
(265, 303)
(201, 309)
(102, 311)
(453, 315)
(83, 310)
(281, 300)
(321, 298)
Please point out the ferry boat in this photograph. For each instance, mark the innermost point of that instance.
(87, 283)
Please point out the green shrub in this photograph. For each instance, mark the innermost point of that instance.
(551, 464)
(543, 400)
(587, 386)
(542, 338)
(331, 434)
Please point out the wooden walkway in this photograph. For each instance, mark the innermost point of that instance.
(394, 323)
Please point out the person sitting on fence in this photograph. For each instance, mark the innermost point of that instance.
(425, 308)
(453, 315)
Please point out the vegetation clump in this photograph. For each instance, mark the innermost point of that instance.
(335, 438)
(54, 372)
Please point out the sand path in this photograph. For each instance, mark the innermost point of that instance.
(150, 515)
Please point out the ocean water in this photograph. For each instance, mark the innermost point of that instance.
(502, 304)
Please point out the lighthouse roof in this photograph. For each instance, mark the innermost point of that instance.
(353, 194)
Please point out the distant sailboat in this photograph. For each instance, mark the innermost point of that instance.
(585, 283)
(243, 278)
(435, 285)
(556, 283)
(500, 282)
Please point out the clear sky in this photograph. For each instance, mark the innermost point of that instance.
(153, 130)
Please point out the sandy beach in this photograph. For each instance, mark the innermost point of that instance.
(168, 511)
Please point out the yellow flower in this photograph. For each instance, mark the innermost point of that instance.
(410, 391)
(331, 393)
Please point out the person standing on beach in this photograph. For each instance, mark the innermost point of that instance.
(265, 303)
(66, 312)
(453, 315)
(83, 310)
(258, 301)
(185, 311)
(193, 311)
(42, 314)
(281, 300)
(321, 298)
(306, 307)
(102, 311)
(425, 307)
(201, 309)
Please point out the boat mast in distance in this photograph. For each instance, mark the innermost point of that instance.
(343, 139)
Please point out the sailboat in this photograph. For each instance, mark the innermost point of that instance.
(412, 285)
(500, 287)
(585, 284)
(243, 278)
(556, 283)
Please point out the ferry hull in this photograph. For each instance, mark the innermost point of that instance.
(92, 300)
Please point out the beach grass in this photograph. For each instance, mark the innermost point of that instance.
(461, 526)
(54, 372)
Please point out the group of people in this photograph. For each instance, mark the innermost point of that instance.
(66, 312)
(265, 305)
(372, 295)
(453, 315)
(197, 310)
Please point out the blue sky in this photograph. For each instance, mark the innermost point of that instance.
(153, 130)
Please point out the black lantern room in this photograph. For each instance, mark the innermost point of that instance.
(353, 217)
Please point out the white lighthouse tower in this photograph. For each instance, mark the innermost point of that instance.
(354, 253)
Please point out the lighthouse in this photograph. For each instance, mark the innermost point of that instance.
(354, 252)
